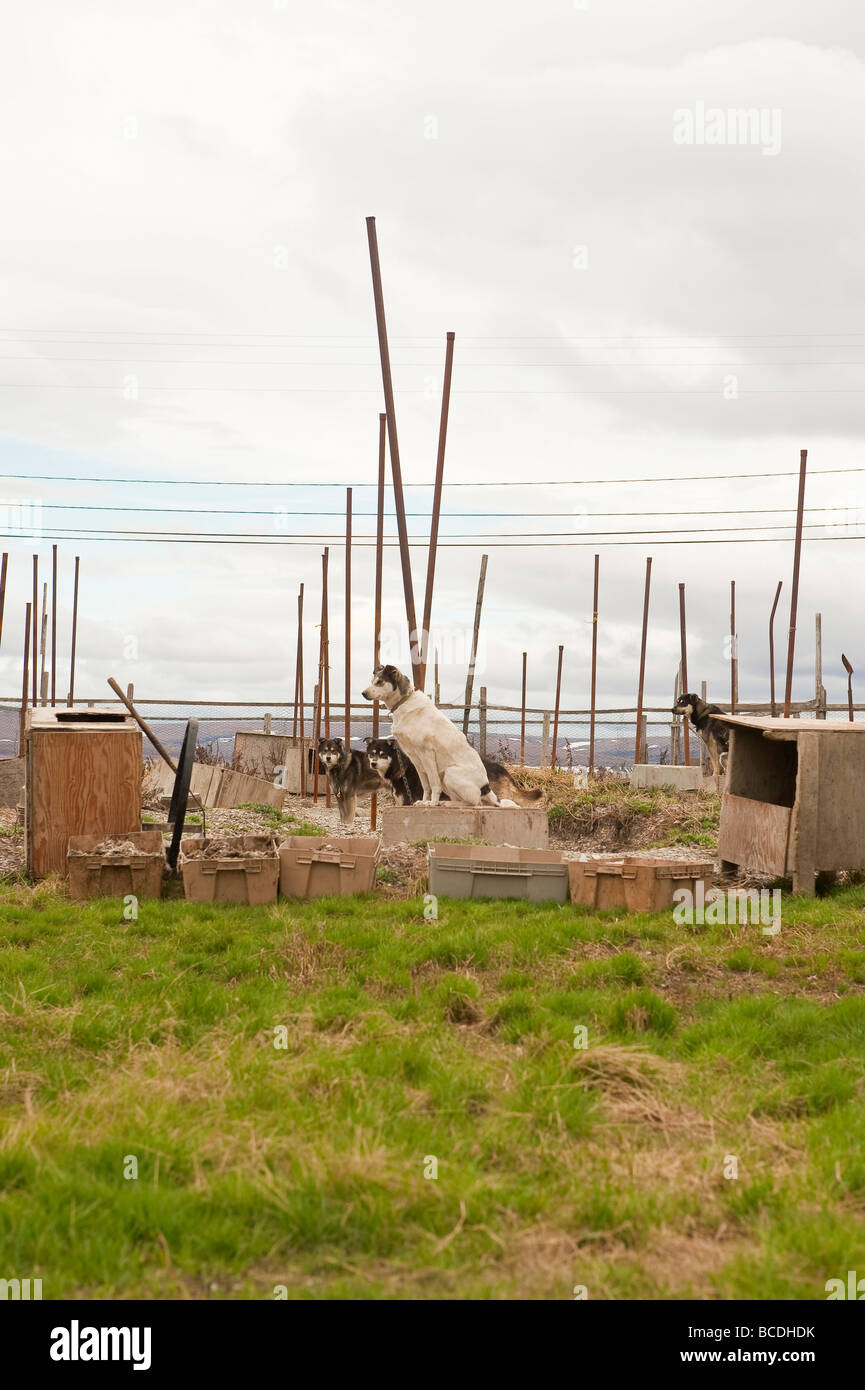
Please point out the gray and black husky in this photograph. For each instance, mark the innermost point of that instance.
(714, 733)
(390, 762)
(349, 773)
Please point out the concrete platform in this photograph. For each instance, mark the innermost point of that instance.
(681, 779)
(523, 826)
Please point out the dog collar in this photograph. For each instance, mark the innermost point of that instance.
(401, 701)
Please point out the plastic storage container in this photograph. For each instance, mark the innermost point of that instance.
(116, 874)
(497, 871)
(313, 867)
(236, 869)
(635, 884)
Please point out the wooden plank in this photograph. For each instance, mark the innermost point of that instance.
(237, 788)
(79, 782)
(754, 834)
(802, 852)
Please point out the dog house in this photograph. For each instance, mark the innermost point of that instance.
(793, 804)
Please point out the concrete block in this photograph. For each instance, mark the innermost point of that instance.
(524, 826)
(680, 779)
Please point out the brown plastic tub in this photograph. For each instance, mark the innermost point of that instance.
(635, 884)
(110, 874)
(316, 867)
(235, 869)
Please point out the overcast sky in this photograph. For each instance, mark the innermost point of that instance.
(640, 288)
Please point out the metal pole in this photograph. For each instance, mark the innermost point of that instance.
(482, 722)
(683, 639)
(3, 569)
(25, 682)
(594, 667)
(53, 625)
(379, 556)
(347, 616)
(436, 508)
(43, 643)
(470, 678)
(437, 687)
(734, 655)
(390, 410)
(794, 596)
(772, 650)
(325, 680)
(71, 695)
(523, 716)
(316, 726)
(35, 617)
(299, 721)
(643, 658)
(556, 712)
(849, 669)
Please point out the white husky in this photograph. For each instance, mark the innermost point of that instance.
(443, 756)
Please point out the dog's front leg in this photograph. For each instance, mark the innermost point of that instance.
(433, 776)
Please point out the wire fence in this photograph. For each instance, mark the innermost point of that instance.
(495, 730)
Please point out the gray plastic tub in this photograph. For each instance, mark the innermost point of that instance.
(497, 871)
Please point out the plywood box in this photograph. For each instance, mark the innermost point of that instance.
(260, 754)
(82, 777)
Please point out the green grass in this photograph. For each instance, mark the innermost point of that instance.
(283, 1077)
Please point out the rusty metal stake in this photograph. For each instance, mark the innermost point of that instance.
(772, 650)
(734, 651)
(24, 690)
(3, 569)
(594, 688)
(347, 616)
(379, 557)
(35, 620)
(683, 641)
(523, 715)
(53, 625)
(396, 470)
(325, 681)
(849, 669)
(794, 596)
(436, 508)
(643, 658)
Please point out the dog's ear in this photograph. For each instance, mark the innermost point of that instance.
(322, 741)
(368, 740)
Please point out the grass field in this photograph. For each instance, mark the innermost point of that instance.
(303, 1165)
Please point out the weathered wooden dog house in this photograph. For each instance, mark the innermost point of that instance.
(794, 803)
(82, 777)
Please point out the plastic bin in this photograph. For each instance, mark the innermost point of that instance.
(497, 871)
(635, 884)
(237, 869)
(315, 867)
(117, 875)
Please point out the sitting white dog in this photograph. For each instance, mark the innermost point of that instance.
(443, 756)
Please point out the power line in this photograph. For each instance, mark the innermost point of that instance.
(486, 515)
(552, 482)
(331, 537)
(373, 365)
(451, 545)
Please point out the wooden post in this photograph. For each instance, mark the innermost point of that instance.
(436, 509)
(396, 470)
(683, 642)
(794, 596)
(267, 722)
(594, 668)
(734, 653)
(25, 683)
(482, 721)
(545, 740)
(376, 631)
(470, 678)
(347, 616)
(523, 716)
(819, 691)
(53, 625)
(35, 617)
(316, 727)
(556, 717)
(772, 650)
(71, 695)
(643, 657)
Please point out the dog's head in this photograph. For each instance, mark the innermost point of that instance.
(686, 704)
(380, 753)
(330, 750)
(386, 683)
